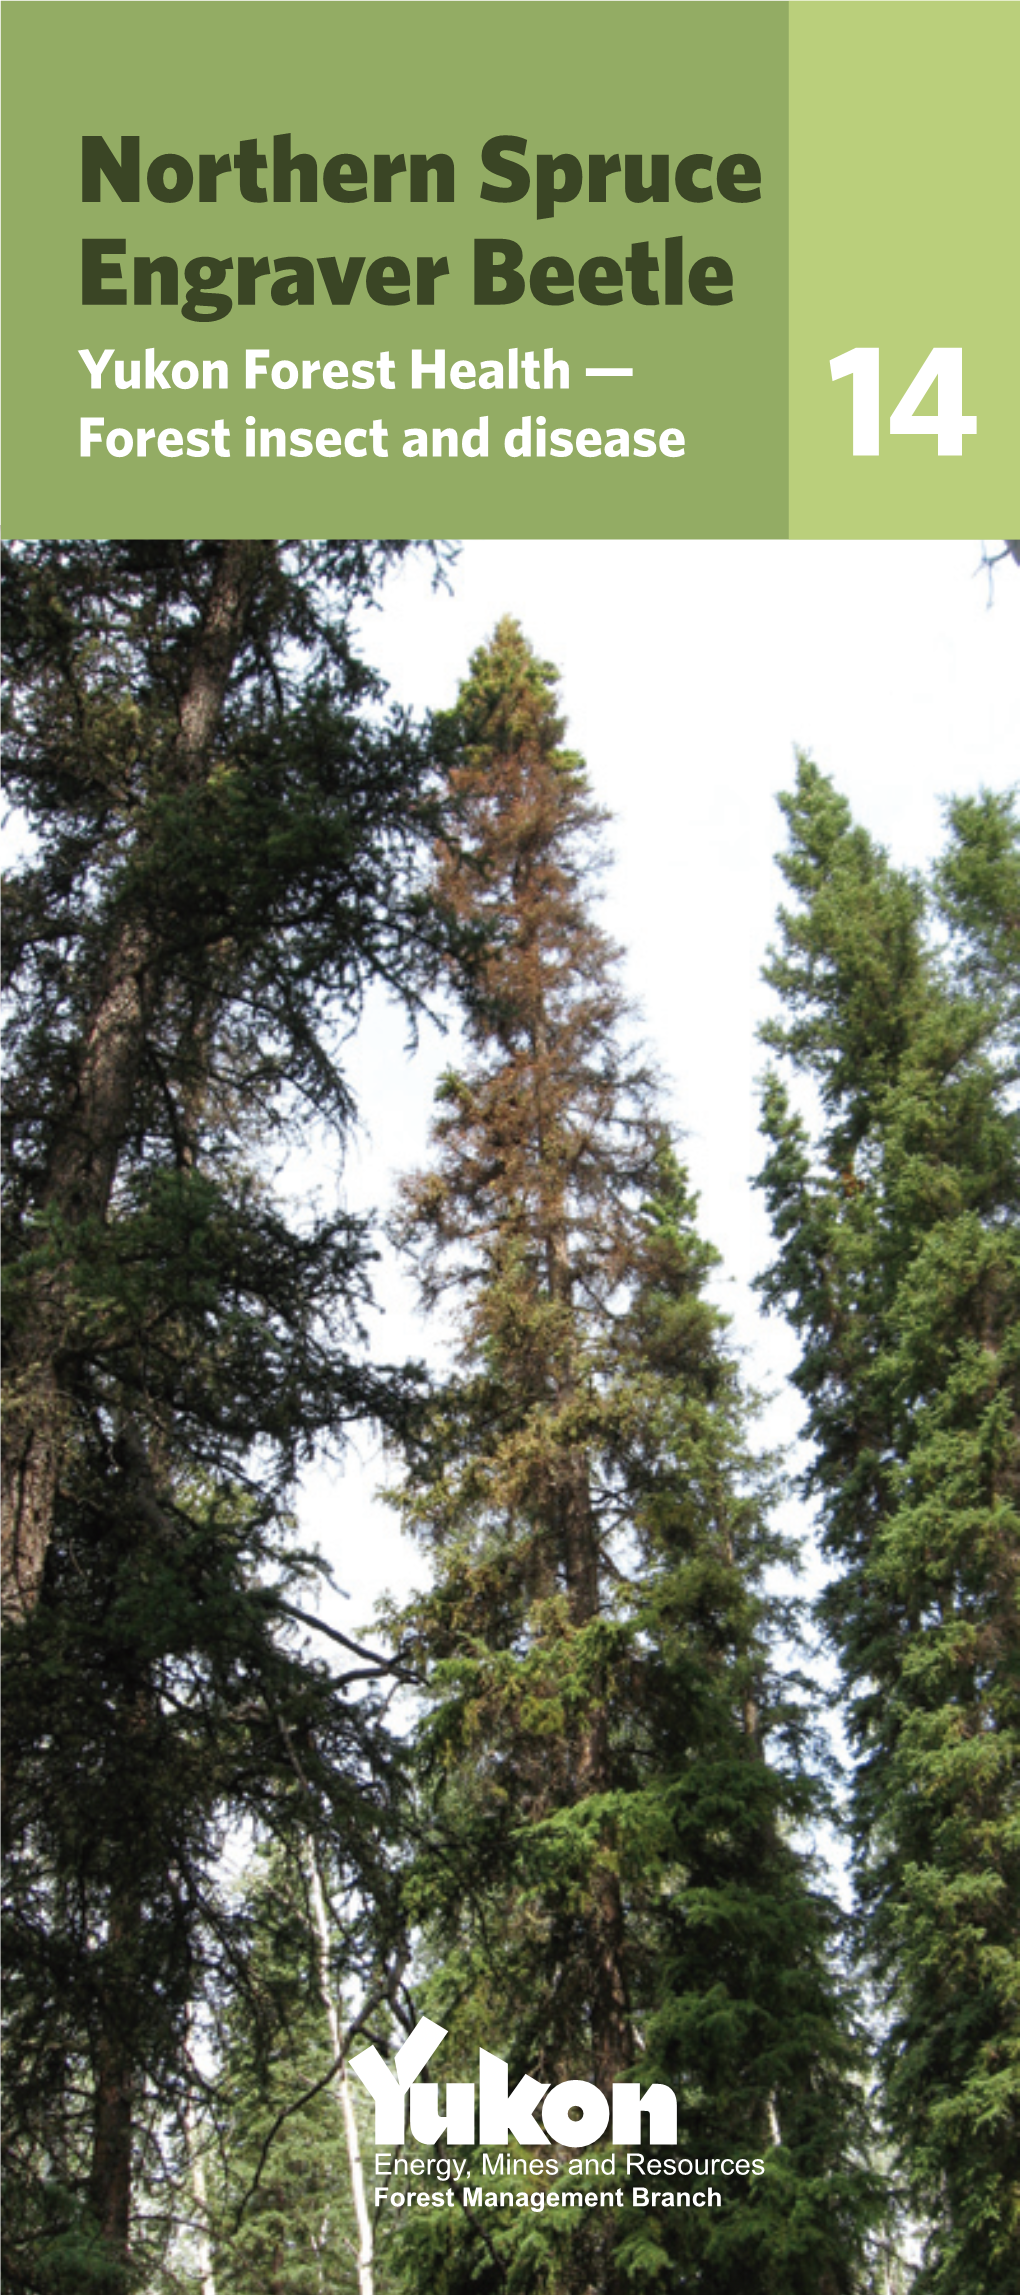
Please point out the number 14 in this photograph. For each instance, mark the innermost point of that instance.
(949, 425)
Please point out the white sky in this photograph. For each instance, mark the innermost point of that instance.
(690, 671)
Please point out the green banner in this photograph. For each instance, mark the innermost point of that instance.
(903, 241)
(568, 269)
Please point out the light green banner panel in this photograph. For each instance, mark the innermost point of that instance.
(518, 194)
(903, 244)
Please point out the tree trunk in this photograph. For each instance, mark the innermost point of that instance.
(366, 2237)
(612, 2031)
(113, 2093)
(85, 1153)
(196, 2170)
(110, 2172)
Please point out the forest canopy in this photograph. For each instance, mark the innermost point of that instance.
(586, 1836)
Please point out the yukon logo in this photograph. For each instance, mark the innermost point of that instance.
(573, 2112)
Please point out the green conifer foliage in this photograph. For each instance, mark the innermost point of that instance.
(227, 847)
(610, 1769)
(898, 1264)
(224, 853)
(281, 2213)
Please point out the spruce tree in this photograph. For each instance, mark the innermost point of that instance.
(610, 1769)
(895, 1212)
(226, 840)
(223, 853)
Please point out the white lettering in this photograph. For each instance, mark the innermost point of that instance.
(576, 2096)
(459, 2124)
(419, 368)
(95, 366)
(502, 2115)
(658, 2102)
(388, 2089)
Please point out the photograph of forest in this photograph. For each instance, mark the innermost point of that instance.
(595, 1780)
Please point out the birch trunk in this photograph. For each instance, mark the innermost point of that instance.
(196, 2168)
(366, 2242)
